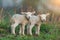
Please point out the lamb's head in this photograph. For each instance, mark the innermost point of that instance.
(28, 14)
(43, 16)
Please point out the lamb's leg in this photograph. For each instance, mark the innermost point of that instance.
(37, 29)
(30, 29)
(20, 29)
(13, 26)
(23, 29)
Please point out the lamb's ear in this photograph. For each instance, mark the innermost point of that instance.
(47, 14)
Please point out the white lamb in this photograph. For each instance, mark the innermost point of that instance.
(18, 19)
(35, 20)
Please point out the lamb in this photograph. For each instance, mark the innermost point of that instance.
(35, 20)
(20, 19)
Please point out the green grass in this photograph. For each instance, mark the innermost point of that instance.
(47, 32)
(42, 36)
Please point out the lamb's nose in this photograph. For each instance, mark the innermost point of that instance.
(43, 20)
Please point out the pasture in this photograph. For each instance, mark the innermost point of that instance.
(48, 30)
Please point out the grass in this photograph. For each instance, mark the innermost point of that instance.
(47, 32)
(42, 36)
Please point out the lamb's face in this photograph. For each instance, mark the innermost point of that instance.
(28, 14)
(43, 17)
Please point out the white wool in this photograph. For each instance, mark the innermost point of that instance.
(18, 19)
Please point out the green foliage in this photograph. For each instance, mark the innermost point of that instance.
(4, 27)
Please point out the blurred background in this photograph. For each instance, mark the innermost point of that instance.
(49, 30)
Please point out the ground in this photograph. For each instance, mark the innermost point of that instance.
(47, 32)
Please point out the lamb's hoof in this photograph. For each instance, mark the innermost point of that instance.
(29, 34)
(13, 33)
(22, 34)
(36, 35)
